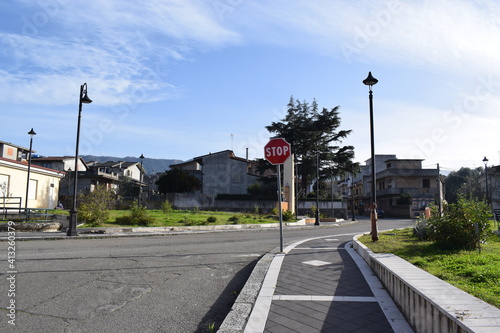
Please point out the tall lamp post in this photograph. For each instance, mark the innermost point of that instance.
(352, 195)
(140, 179)
(31, 134)
(371, 81)
(84, 99)
(485, 161)
(316, 222)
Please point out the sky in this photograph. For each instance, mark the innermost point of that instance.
(177, 79)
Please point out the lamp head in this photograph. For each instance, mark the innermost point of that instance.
(141, 157)
(31, 133)
(85, 98)
(485, 160)
(370, 80)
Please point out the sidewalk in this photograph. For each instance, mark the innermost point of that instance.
(323, 285)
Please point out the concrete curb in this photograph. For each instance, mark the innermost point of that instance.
(429, 303)
(237, 317)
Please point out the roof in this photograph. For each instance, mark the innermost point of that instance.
(52, 158)
(114, 164)
(32, 167)
(404, 160)
(227, 151)
(57, 158)
(16, 146)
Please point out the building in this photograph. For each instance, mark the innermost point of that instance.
(90, 174)
(43, 189)
(403, 187)
(404, 181)
(221, 173)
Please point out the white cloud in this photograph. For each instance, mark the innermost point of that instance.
(123, 48)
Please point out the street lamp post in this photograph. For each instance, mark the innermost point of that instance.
(352, 195)
(31, 134)
(371, 81)
(485, 161)
(84, 99)
(316, 222)
(140, 179)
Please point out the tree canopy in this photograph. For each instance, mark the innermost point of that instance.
(465, 182)
(311, 131)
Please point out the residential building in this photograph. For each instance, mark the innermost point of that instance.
(90, 174)
(222, 173)
(403, 187)
(43, 189)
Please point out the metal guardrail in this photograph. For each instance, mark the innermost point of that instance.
(496, 213)
(29, 214)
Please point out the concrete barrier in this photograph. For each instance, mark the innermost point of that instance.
(429, 303)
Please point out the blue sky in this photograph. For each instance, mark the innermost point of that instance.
(181, 78)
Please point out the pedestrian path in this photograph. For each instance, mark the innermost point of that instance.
(322, 285)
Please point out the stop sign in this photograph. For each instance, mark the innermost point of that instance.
(277, 151)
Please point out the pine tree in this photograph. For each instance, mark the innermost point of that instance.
(311, 132)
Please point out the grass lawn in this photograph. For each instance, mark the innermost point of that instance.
(187, 218)
(476, 273)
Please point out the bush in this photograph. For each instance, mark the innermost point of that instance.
(235, 219)
(94, 206)
(167, 207)
(138, 216)
(462, 225)
(288, 215)
(420, 229)
(211, 219)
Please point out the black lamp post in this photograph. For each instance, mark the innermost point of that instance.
(371, 81)
(73, 213)
(352, 195)
(31, 134)
(140, 179)
(316, 222)
(485, 161)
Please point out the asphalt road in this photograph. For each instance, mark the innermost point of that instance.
(170, 283)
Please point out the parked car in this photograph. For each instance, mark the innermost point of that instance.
(380, 213)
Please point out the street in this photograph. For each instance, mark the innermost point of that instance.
(170, 283)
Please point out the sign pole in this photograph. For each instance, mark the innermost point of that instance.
(276, 152)
(280, 213)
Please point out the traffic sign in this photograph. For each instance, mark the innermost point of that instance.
(277, 151)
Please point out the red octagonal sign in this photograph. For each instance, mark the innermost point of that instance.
(277, 151)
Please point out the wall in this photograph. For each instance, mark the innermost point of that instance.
(224, 175)
(43, 185)
(429, 304)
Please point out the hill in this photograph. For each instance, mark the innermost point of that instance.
(151, 165)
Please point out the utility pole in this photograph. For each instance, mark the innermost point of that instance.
(440, 190)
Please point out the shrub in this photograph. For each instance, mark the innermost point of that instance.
(94, 206)
(288, 215)
(462, 224)
(235, 219)
(313, 211)
(138, 216)
(211, 219)
(420, 229)
(167, 207)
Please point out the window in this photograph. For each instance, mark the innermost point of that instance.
(426, 183)
(33, 189)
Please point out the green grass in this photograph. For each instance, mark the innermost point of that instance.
(475, 273)
(190, 218)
